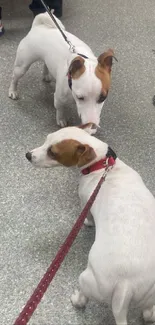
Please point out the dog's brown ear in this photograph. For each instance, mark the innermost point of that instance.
(105, 60)
(85, 154)
(71, 152)
(77, 68)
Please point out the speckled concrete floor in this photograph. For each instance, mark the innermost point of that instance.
(38, 207)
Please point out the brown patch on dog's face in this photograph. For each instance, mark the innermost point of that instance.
(72, 153)
(77, 67)
(103, 70)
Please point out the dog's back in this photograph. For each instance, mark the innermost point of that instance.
(124, 214)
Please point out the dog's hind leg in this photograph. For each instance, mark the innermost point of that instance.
(89, 221)
(149, 314)
(88, 289)
(78, 299)
(24, 58)
(120, 302)
(46, 74)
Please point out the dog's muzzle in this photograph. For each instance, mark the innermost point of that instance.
(29, 156)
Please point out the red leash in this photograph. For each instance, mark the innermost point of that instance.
(38, 293)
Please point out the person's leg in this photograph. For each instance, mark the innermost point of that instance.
(37, 8)
(57, 6)
(1, 26)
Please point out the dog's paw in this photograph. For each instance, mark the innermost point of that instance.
(13, 94)
(61, 122)
(47, 78)
(78, 299)
(89, 223)
(149, 315)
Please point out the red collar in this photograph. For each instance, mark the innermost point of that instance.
(103, 163)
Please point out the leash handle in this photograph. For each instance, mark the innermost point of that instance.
(38, 293)
(71, 46)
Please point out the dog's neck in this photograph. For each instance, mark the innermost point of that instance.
(100, 148)
(82, 53)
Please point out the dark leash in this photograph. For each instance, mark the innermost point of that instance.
(71, 46)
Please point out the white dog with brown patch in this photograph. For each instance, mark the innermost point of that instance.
(121, 262)
(86, 80)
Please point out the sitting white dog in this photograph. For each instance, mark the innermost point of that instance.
(86, 80)
(121, 262)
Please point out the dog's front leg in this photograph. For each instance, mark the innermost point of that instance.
(89, 221)
(46, 75)
(61, 121)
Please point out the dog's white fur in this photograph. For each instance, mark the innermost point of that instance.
(121, 262)
(44, 42)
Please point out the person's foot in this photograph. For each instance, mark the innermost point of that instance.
(57, 5)
(37, 8)
(1, 29)
(58, 12)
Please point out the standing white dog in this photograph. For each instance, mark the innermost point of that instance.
(87, 80)
(121, 262)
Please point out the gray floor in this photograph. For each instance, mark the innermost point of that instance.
(38, 207)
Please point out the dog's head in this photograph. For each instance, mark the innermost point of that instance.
(90, 81)
(71, 146)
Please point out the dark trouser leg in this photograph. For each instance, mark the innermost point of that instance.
(37, 7)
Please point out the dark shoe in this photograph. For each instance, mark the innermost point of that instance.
(37, 12)
(58, 12)
(37, 8)
(56, 5)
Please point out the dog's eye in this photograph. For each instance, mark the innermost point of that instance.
(51, 154)
(101, 99)
(80, 98)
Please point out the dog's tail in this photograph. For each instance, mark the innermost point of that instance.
(45, 19)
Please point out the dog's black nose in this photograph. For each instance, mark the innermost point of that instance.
(29, 156)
